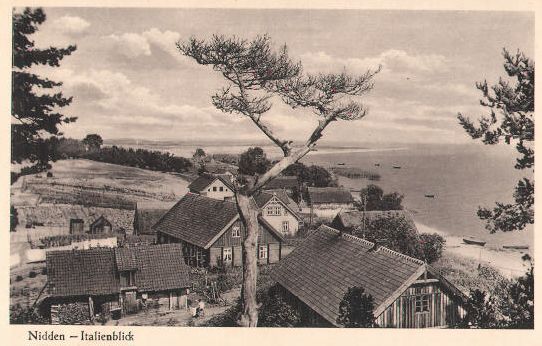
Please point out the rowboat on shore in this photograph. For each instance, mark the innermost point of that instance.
(474, 241)
(516, 247)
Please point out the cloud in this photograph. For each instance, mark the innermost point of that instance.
(149, 49)
(130, 45)
(71, 25)
(392, 60)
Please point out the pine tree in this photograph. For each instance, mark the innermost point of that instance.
(255, 72)
(35, 116)
(511, 120)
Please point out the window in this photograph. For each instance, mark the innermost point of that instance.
(236, 232)
(422, 303)
(262, 253)
(221, 188)
(285, 226)
(214, 188)
(127, 279)
(227, 254)
(274, 210)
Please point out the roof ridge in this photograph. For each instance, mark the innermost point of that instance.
(402, 255)
(371, 244)
(358, 240)
(350, 237)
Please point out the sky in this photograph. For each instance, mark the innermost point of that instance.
(128, 80)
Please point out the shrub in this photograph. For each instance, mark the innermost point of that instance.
(356, 309)
(19, 278)
(432, 246)
(275, 311)
(49, 174)
(481, 311)
(32, 274)
(24, 315)
(44, 271)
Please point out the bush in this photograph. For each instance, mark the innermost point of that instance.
(19, 278)
(356, 309)
(24, 315)
(32, 274)
(49, 174)
(275, 311)
(44, 271)
(432, 246)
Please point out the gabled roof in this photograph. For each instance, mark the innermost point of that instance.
(82, 272)
(96, 271)
(205, 180)
(197, 219)
(159, 267)
(100, 221)
(201, 220)
(352, 219)
(148, 213)
(320, 195)
(322, 268)
(282, 182)
(263, 197)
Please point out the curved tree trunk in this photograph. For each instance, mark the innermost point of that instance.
(249, 216)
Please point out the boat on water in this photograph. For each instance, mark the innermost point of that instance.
(429, 195)
(516, 247)
(397, 167)
(474, 241)
(341, 164)
(377, 164)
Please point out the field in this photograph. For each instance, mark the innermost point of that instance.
(83, 180)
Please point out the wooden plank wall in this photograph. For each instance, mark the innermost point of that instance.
(443, 310)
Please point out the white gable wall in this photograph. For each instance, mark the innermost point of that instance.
(218, 190)
(276, 215)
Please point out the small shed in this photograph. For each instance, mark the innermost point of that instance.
(100, 226)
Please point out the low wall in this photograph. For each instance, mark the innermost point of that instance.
(38, 255)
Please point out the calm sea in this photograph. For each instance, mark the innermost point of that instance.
(461, 177)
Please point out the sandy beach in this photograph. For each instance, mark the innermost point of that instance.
(508, 262)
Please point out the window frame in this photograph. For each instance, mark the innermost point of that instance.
(287, 224)
(263, 249)
(236, 232)
(274, 210)
(421, 303)
(227, 254)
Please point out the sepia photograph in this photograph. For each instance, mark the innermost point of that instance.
(270, 167)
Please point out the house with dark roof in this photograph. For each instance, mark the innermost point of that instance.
(357, 220)
(279, 210)
(148, 213)
(329, 201)
(217, 186)
(211, 232)
(106, 279)
(407, 292)
(287, 183)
